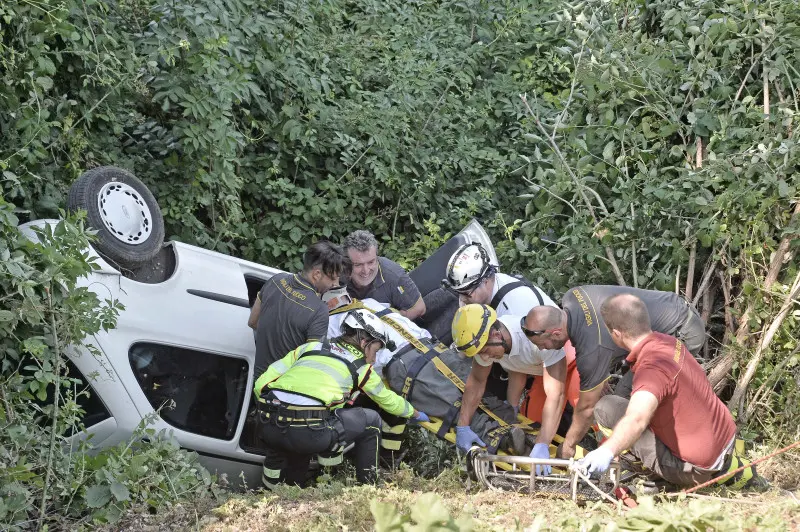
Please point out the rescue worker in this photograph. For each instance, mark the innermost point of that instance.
(300, 400)
(380, 278)
(422, 370)
(478, 332)
(472, 277)
(289, 310)
(674, 423)
(581, 324)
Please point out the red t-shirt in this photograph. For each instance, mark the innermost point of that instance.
(690, 419)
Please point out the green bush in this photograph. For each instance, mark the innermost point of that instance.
(46, 475)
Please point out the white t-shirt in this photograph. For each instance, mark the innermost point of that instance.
(524, 356)
(384, 355)
(518, 301)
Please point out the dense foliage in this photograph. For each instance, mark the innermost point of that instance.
(650, 142)
(45, 309)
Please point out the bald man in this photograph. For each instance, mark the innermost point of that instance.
(674, 423)
(580, 322)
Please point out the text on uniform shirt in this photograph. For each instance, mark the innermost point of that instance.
(291, 291)
(586, 314)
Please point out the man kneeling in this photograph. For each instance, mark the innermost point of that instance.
(673, 422)
(300, 399)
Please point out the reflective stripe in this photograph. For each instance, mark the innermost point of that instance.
(271, 473)
(391, 445)
(377, 389)
(280, 366)
(328, 461)
(341, 379)
(397, 429)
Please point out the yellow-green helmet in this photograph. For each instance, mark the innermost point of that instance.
(471, 326)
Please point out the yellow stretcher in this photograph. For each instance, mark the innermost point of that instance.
(500, 470)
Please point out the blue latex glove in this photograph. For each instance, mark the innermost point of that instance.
(598, 460)
(541, 450)
(421, 416)
(466, 437)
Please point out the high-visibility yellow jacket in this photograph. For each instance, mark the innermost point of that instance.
(325, 377)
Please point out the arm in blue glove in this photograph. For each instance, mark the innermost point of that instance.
(421, 416)
(598, 460)
(466, 438)
(541, 451)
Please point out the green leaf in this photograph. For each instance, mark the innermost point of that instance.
(45, 82)
(608, 152)
(6, 315)
(120, 491)
(429, 510)
(295, 234)
(387, 518)
(98, 496)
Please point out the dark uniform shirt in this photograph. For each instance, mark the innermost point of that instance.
(391, 285)
(292, 313)
(595, 352)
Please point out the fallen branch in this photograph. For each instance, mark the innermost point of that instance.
(719, 374)
(741, 387)
(690, 271)
(751, 406)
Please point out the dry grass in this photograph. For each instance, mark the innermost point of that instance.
(783, 471)
(336, 505)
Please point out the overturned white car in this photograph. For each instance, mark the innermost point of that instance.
(182, 339)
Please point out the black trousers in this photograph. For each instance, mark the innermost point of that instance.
(290, 445)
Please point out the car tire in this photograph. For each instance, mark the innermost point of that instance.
(123, 211)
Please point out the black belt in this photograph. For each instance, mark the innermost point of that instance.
(273, 408)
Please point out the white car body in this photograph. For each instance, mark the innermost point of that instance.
(202, 307)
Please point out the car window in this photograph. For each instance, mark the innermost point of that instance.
(94, 411)
(197, 392)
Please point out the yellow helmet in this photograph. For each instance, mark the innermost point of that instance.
(471, 326)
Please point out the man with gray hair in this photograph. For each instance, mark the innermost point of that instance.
(380, 278)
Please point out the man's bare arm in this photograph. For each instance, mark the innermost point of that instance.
(417, 310)
(473, 392)
(637, 418)
(516, 383)
(582, 419)
(555, 378)
(255, 312)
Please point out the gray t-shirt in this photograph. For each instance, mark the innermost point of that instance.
(595, 352)
(391, 286)
(292, 313)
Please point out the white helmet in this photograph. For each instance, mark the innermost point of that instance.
(371, 324)
(468, 266)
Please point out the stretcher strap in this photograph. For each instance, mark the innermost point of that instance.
(430, 354)
(494, 438)
(449, 420)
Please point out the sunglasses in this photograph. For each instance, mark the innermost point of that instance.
(529, 333)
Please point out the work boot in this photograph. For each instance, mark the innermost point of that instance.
(515, 441)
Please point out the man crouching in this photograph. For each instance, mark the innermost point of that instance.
(673, 422)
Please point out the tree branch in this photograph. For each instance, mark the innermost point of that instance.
(741, 387)
(581, 188)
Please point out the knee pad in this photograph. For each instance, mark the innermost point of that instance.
(331, 458)
(392, 437)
